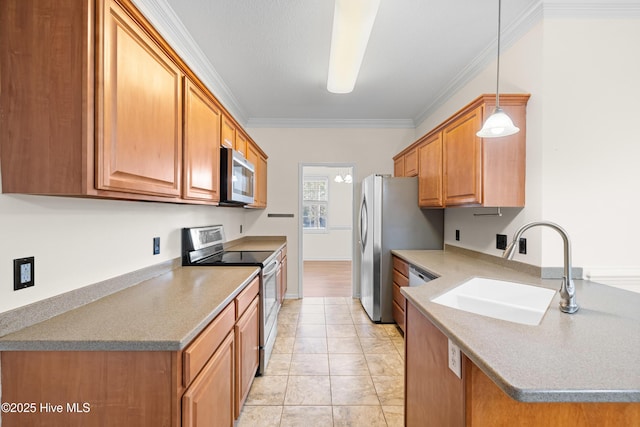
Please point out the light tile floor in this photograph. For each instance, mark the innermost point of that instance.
(331, 366)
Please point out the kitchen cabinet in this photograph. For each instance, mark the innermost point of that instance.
(435, 396)
(139, 148)
(430, 172)
(198, 385)
(457, 168)
(209, 400)
(406, 163)
(228, 133)
(281, 275)
(400, 279)
(201, 145)
(247, 331)
(241, 143)
(259, 160)
(93, 105)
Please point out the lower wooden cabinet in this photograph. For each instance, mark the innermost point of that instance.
(400, 279)
(209, 400)
(247, 358)
(435, 396)
(281, 275)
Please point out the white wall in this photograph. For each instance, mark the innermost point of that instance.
(370, 150)
(78, 242)
(582, 146)
(336, 243)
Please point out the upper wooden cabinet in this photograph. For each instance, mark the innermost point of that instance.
(241, 142)
(93, 105)
(430, 172)
(259, 160)
(406, 163)
(457, 168)
(228, 133)
(139, 109)
(201, 145)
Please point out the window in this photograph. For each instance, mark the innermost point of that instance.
(315, 203)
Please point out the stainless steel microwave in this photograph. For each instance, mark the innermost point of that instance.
(237, 177)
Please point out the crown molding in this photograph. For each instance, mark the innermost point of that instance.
(586, 10)
(164, 19)
(331, 123)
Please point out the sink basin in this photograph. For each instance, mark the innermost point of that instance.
(499, 299)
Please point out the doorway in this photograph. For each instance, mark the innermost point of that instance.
(326, 229)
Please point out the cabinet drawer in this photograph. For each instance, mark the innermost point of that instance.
(401, 266)
(195, 356)
(398, 315)
(397, 295)
(400, 279)
(244, 298)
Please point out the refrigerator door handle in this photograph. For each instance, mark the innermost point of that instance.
(364, 221)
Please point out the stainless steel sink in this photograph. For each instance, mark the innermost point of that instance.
(511, 301)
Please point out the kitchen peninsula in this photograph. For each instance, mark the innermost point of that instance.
(581, 368)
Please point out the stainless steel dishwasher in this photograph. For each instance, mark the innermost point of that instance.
(419, 277)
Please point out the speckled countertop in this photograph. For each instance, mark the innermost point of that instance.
(590, 356)
(256, 243)
(163, 314)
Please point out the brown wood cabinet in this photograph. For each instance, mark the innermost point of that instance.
(430, 192)
(201, 145)
(400, 279)
(228, 133)
(247, 337)
(457, 168)
(205, 384)
(138, 109)
(281, 275)
(241, 142)
(209, 401)
(435, 396)
(92, 105)
(259, 160)
(406, 163)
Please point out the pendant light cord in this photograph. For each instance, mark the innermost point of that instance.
(498, 64)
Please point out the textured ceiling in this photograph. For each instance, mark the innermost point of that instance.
(272, 55)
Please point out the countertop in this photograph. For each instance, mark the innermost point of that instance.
(162, 314)
(256, 243)
(590, 356)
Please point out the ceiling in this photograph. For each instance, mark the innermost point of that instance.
(268, 59)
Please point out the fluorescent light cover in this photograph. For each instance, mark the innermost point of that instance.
(352, 23)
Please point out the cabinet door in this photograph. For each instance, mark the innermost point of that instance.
(228, 134)
(201, 145)
(209, 401)
(247, 331)
(430, 172)
(284, 276)
(398, 166)
(411, 163)
(434, 394)
(463, 160)
(261, 176)
(139, 104)
(241, 143)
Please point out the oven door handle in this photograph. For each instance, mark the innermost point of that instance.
(266, 272)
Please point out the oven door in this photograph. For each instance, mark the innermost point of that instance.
(269, 315)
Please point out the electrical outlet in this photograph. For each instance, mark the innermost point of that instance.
(156, 245)
(24, 273)
(455, 362)
(240, 228)
(501, 241)
(458, 235)
(522, 245)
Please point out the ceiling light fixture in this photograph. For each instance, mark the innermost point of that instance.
(352, 23)
(344, 178)
(499, 123)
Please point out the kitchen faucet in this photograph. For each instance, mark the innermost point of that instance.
(567, 288)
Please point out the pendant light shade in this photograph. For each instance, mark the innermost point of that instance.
(498, 123)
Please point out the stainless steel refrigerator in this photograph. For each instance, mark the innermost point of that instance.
(390, 218)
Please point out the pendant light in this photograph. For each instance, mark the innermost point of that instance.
(499, 123)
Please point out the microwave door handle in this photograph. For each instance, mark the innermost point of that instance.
(245, 163)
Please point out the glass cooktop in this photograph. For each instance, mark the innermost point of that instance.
(237, 258)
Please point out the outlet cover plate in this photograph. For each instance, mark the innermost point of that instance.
(24, 273)
(455, 360)
(156, 245)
